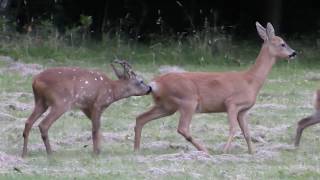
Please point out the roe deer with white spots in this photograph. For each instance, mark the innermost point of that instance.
(63, 88)
(210, 92)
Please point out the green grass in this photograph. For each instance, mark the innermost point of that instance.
(285, 98)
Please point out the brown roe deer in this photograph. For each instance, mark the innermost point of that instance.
(64, 88)
(211, 92)
(310, 120)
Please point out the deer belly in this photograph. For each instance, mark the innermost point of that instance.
(211, 107)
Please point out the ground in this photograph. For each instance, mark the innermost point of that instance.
(285, 98)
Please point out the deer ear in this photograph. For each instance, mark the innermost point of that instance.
(126, 75)
(261, 31)
(270, 30)
(116, 71)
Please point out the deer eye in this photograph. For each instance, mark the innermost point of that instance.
(139, 82)
(283, 45)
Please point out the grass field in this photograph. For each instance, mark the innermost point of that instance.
(285, 98)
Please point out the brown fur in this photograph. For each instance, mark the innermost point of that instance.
(210, 92)
(65, 88)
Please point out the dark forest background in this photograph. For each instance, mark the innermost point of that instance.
(145, 19)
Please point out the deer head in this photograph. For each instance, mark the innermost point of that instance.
(135, 84)
(277, 46)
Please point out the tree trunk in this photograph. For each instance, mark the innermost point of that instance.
(274, 13)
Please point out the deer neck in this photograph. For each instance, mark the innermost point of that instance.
(118, 90)
(259, 71)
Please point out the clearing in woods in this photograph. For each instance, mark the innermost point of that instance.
(285, 99)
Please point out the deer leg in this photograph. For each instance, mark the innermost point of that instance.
(38, 110)
(232, 117)
(154, 113)
(94, 116)
(184, 127)
(96, 123)
(244, 128)
(55, 112)
(302, 124)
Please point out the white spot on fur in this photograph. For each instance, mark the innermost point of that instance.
(153, 85)
(95, 79)
(101, 78)
(60, 72)
(86, 82)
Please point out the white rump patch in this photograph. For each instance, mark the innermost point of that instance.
(153, 85)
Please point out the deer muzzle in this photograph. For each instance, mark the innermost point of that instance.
(149, 90)
(293, 55)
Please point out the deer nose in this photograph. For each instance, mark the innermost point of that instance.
(292, 55)
(149, 90)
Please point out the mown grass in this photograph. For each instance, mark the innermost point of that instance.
(285, 98)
